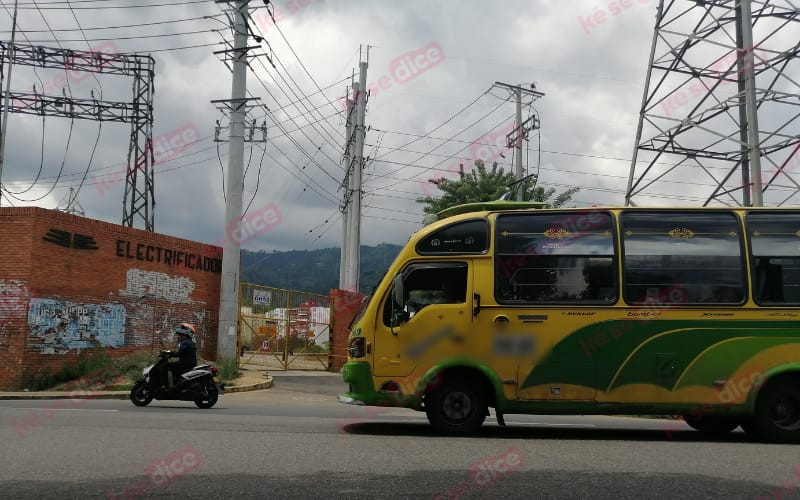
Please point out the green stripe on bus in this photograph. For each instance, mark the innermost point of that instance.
(592, 356)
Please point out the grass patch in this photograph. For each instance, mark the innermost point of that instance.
(93, 372)
(228, 371)
(131, 366)
(44, 380)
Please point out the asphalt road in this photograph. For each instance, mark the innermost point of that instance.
(295, 441)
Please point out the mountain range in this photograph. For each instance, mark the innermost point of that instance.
(314, 271)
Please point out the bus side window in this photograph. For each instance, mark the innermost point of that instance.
(430, 283)
(775, 256)
(435, 286)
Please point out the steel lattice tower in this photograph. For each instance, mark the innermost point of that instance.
(139, 201)
(720, 117)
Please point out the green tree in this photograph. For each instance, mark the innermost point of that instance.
(482, 184)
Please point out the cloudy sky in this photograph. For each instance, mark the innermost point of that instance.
(588, 57)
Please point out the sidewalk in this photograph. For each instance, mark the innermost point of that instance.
(249, 381)
(313, 382)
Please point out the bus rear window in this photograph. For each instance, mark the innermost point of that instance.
(775, 247)
(682, 257)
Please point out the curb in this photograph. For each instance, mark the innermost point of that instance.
(122, 394)
(252, 387)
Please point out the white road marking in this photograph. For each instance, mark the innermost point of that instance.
(51, 409)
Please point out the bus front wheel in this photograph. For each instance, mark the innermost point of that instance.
(456, 407)
(777, 412)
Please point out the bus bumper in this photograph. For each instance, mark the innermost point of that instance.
(359, 376)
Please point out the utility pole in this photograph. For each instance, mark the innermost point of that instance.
(6, 97)
(347, 185)
(519, 134)
(229, 293)
(518, 146)
(354, 223)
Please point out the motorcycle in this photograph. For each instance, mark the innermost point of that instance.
(196, 385)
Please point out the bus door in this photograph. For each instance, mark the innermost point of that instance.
(426, 316)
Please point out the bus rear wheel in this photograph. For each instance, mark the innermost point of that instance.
(712, 424)
(777, 412)
(456, 407)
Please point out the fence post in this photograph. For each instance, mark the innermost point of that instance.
(287, 329)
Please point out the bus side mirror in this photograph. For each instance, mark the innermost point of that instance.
(399, 293)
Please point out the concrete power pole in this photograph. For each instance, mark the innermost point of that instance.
(354, 224)
(5, 100)
(518, 147)
(349, 147)
(229, 293)
(516, 137)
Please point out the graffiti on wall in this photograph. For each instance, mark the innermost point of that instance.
(175, 289)
(58, 326)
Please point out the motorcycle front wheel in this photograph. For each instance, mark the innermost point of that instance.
(212, 394)
(141, 394)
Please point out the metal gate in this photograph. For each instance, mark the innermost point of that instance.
(283, 329)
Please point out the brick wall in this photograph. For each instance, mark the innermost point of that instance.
(72, 285)
(344, 306)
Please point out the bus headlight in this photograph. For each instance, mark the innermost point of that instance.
(357, 348)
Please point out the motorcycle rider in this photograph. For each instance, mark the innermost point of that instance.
(186, 353)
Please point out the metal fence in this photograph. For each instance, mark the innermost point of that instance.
(283, 329)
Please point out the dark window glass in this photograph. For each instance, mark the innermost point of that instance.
(429, 283)
(775, 246)
(567, 257)
(682, 257)
(464, 237)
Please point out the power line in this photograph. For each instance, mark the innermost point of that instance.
(553, 152)
(440, 125)
(134, 37)
(292, 139)
(301, 63)
(121, 26)
(454, 135)
(299, 100)
(177, 157)
(25, 6)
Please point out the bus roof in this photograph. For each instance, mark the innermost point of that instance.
(501, 206)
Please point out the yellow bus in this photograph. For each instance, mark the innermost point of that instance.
(645, 311)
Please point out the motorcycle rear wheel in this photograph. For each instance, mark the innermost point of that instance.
(141, 394)
(211, 400)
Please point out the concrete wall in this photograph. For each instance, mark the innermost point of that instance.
(69, 285)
